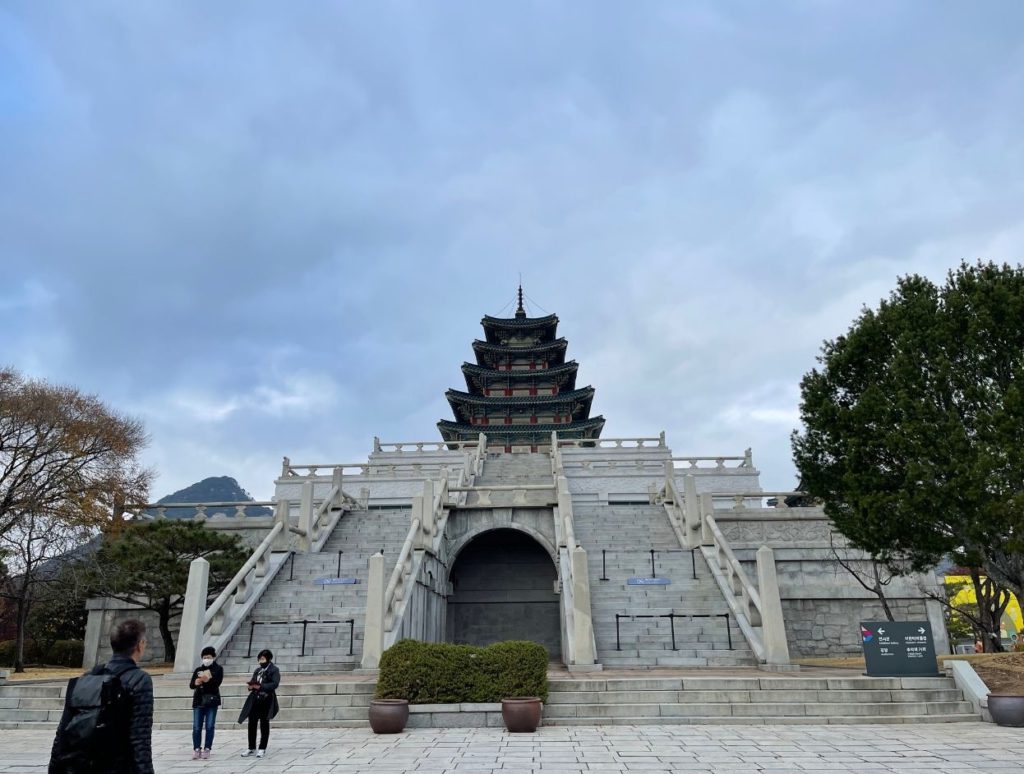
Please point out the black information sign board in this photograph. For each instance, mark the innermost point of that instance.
(899, 649)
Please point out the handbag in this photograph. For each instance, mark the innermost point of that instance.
(207, 700)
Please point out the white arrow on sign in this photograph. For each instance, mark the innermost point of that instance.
(881, 631)
(920, 630)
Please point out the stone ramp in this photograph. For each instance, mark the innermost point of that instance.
(704, 635)
(294, 596)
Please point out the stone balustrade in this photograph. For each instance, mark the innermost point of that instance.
(614, 443)
(202, 511)
(423, 446)
(744, 461)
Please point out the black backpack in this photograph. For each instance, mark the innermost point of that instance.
(98, 725)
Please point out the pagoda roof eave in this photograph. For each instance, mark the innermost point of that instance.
(595, 424)
(503, 349)
(569, 366)
(584, 394)
(519, 323)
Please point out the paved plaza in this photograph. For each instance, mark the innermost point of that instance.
(959, 747)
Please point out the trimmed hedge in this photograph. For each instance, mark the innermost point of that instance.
(441, 673)
(61, 653)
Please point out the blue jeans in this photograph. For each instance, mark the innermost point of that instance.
(201, 715)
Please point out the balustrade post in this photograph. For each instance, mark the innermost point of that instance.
(707, 508)
(244, 590)
(773, 624)
(306, 517)
(373, 618)
(337, 478)
(691, 511)
(193, 616)
(282, 511)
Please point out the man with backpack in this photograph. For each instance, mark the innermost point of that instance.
(107, 725)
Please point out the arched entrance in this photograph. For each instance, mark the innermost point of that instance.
(503, 588)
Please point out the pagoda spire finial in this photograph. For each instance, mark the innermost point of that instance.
(520, 312)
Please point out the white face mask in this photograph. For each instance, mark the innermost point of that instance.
(207, 661)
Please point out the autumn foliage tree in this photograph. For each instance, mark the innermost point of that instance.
(914, 425)
(66, 462)
(64, 453)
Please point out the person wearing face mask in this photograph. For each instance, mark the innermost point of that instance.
(205, 685)
(261, 705)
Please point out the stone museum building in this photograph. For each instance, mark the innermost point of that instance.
(523, 522)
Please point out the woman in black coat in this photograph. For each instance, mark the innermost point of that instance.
(205, 685)
(261, 705)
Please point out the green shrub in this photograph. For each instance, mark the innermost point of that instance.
(440, 673)
(67, 653)
(33, 654)
(61, 653)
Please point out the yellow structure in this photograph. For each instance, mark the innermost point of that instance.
(1013, 621)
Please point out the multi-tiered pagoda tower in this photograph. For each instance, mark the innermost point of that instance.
(521, 387)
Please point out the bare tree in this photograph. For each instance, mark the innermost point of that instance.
(872, 574)
(64, 454)
(36, 544)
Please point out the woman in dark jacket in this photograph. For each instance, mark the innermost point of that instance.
(205, 685)
(261, 705)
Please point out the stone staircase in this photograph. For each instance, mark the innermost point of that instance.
(293, 596)
(513, 469)
(320, 703)
(627, 533)
(756, 700)
(326, 702)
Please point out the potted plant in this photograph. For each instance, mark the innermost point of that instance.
(388, 716)
(417, 673)
(1006, 709)
(521, 713)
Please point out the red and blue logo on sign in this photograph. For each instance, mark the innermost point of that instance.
(866, 634)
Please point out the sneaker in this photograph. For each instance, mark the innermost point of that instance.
(248, 753)
(206, 754)
(260, 753)
(196, 754)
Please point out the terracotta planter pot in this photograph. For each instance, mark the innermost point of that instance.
(521, 714)
(388, 716)
(1007, 710)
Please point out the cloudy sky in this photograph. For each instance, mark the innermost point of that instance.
(271, 229)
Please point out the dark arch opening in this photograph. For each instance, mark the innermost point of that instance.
(503, 588)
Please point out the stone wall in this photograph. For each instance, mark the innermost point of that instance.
(104, 614)
(830, 627)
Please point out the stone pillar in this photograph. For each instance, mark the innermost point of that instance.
(940, 636)
(691, 511)
(583, 627)
(373, 620)
(306, 517)
(773, 627)
(94, 631)
(190, 634)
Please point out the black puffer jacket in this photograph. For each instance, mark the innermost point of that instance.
(212, 688)
(136, 754)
